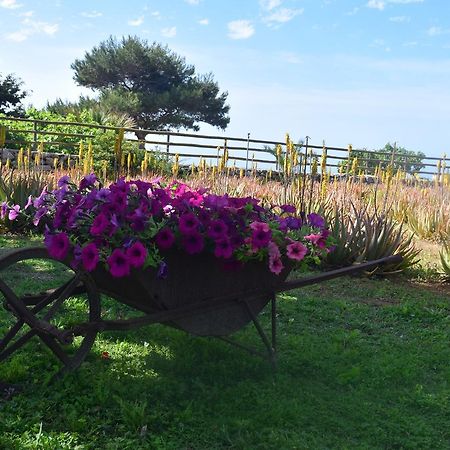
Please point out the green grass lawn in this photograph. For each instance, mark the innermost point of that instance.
(362, 364)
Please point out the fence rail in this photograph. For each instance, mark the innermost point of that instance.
(245, 152)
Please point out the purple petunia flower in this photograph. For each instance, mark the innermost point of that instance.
(14, 212)
(39, 201)
(260, 238)
(64, 181)
(162, 270)
(137, 255)
(87, 181)
(90, 257)
(102, 194)
(165, 238)
(3, 210)
(193, 243)
(58, 245)
(188, 223)
(217, 229)
(288, 209)
(99, 225)
(119, 265)
(29, 202)
(41, 212)
(315, 220)
(223, 249)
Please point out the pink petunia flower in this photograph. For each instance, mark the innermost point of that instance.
(274, 251)
(119, 265)
(137, 254)
(260, 226)
(296, 251)
(276, 265)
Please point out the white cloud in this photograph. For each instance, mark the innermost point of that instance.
(352, 12)
(10, 4)
(203, 22)
(193, 2)
(18, 36)
(437, 31)
(27, 14)
(240, 29)
(91, 14)
(376, 4)
(291, 58)
(136, 22)
(405, 2)
(156, 14)
(32, 27)
(269, 4)
(169, 32)
(400, 19)
(282, 15)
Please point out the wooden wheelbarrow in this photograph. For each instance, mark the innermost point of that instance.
(197, 296)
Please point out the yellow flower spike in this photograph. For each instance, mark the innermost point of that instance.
(354, 165)
(55, 163)
(8, 164)
(214, 172)
(80, 151)
(2, 136)
(241, 173)
(20, 159)
(314, 167)
(129, 159)
(192, 169)
(270, 174)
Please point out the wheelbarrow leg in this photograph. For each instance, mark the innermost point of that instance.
(270, 346)
(269, 343)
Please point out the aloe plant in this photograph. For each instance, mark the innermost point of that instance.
(445, 260)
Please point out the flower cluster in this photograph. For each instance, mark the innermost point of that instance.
(132, 224)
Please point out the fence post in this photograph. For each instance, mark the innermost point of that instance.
(35, 135)
(248, 149)
(168, 143)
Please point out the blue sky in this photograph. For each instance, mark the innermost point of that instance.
(345, 71)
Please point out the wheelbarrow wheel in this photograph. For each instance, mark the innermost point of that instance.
(66, 298)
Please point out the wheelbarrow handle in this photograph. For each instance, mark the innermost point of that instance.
(300, 282)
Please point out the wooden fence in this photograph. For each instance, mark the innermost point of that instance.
(244, 152)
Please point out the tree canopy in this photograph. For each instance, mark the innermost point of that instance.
(408, 160)
(152, 84)
(11, 95)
